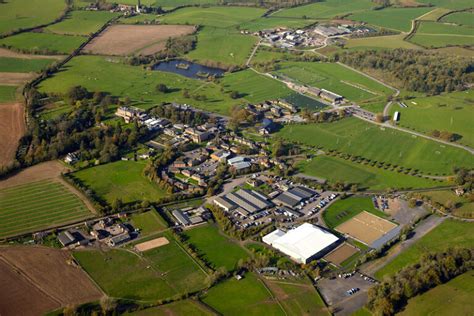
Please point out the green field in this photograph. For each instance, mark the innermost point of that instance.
(43, 43)
(81, 22)
(343, 210)
(461, 18)
(326, 9)
(434, 34)
(8, 64)
(138, 19)
(242, 297)
(21, 14)
(451, 112)
(359, 138)
(451, 298)
(148, 222)
(380, 42)
(398, 19)
(336, 169)
(213, 16)
(210, 242)
(450, 233)
(183, 307)
(462, 206)
(435, 14)
(335, 78)
(7, 93)
(120, 180)
(98, 74)
(449, 4)
(225, 47)
(38, 205)
(272, 22)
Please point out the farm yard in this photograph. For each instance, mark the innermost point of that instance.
(81, 22)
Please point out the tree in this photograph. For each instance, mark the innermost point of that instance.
(161, 87)
(234, 95)
(107, 304)
(117, 204)
(77, 93)
(379, 118)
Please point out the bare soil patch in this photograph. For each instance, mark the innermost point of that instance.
(42, 171)
(15, 78)
(9, 53)
(12, 128)
(151, 244)
(128, 39)
(341, 253)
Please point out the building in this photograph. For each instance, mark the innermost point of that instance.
(396, 116)
(268, 127)
(246, 202)
(331, 96)
(130, 113)
(185, 219)
(304, 243)
(197, 136)
(71, 237)
(239, 163)
(119, 239)
(294, 196)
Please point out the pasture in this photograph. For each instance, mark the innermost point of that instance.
(434, 34)
(462, 207)
(120, 180)
(81, 22)
(456, 296)
(325, 9)
(272, 22)
(22, 14)
(43, 43)
(7, 93)
(359, 138)
(461, 18)
(242, 297)
(449, 4)
(380, 42)
(8, 64)
(450, 233)
(38, 205)
(182, 307)
(210, 242)
(148, 222)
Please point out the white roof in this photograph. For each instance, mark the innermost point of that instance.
(274, 235)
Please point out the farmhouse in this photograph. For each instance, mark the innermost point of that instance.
(303, 244)
(245, 201)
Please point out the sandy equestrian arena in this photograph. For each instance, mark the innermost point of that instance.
(151, 244)
(341, 253)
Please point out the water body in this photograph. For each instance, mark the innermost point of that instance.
(188, 69)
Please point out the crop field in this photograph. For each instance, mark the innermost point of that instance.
(81, 22)
(7, 93)
(335, 78)
(242, 297)
(120, 180)
(380, 42)
(356, 137)
(210, 243)
(12, 128)
(456, 294)
(272, 22)
(183, 307)
(222, 47)
(38, 205)
(462, 206)
(461, 18)
(433, 34)
(326, 9)
(398, 19)
(447, 112)
(148, 222)
(43, 43)
(336, 169)
(8, 64)
(99, 74)
(128, 39)
(21, 14)
(213, 16)
(343, 210)
(450, 233)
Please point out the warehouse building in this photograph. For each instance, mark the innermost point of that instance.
(245, 201)
(294, 196)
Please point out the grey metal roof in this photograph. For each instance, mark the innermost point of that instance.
(287, 199)
(252, 196)
(225, 202)
(181, 217)
(302, 192)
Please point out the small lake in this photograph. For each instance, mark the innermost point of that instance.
(188, 69)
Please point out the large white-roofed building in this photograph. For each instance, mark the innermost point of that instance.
(302, 244)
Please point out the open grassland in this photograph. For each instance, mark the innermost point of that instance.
(254, 87)
(444, 29)
(336, 169)
(435, 14)
(380, 42)
(325, 9)
(462, 206)
(43, 43)
(451, 112)
(210, 243)
(434, 34)
(98, 74)
(273, 22)
(450, 233)
(148, 222)
(335, 78)
(461, 18)
(449, 4)
(81, 22)
(22, 14)
(222, 47)
(343, 210)
(451, 298)
(8, 64)
(38, 205)
(359, 138)
(398, 19)
(183, 307)
(242, 297)
(7, 93)
(213, 16)
(120, 180)
(456, 51)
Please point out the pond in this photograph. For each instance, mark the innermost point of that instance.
(188, 69)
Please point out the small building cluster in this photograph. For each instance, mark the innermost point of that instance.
(190, 216)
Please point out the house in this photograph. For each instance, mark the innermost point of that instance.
(220, 156)
(130, 113)
(71, 158)
(197, 136)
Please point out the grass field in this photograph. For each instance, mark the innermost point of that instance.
(21, 14)
(272, 22)
(434, 34)
(210, 243)
(451, 298)
(462, 206)
(37, 206)
(43, 43)
(8, 64)
(449, 4)
(7, 93)
(81, 22)
(451, 112)
(336, 169)
(381, 42)
(335, 78)
(450, 233)
(98, 74)
(343, 210)
(356, 137)
(398, 19)
(213, 16)
(120, 180)
(242, 297)
(435, 14)
(461, 18)
(326, 9)
(224, 46)
(148, 222)
(183, 307)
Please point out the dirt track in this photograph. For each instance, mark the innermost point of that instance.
(12, 127)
